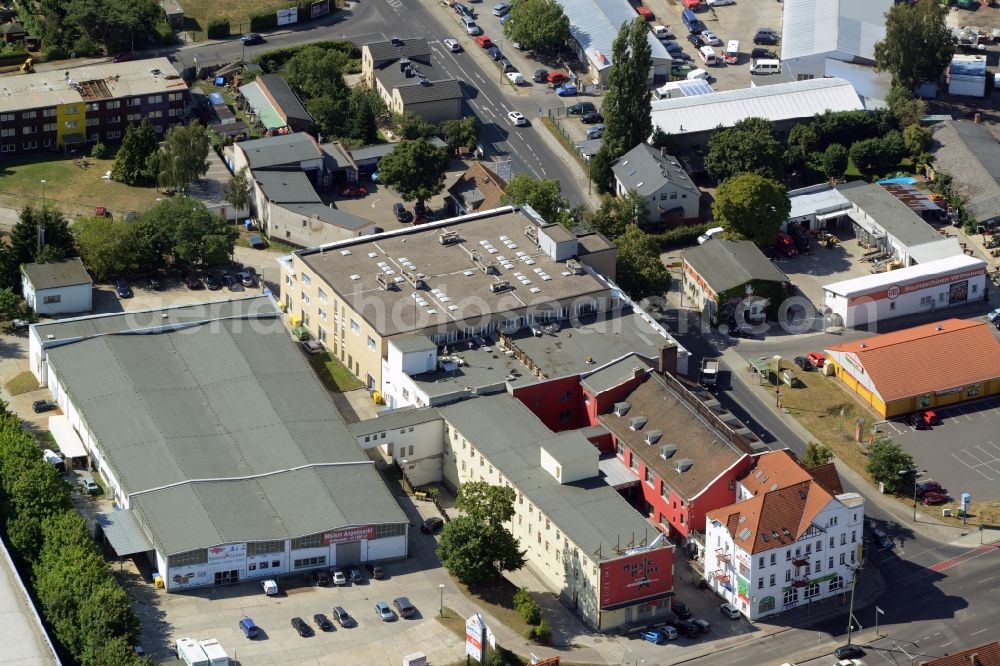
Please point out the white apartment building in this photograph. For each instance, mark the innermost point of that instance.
(792, 537)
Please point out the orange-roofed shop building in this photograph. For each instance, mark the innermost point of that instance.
(934, 365)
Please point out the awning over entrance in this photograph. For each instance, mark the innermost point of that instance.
(69, 442)
(124, 533)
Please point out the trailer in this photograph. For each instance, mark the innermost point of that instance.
(709, 371)
(216, 655)
(190, 653)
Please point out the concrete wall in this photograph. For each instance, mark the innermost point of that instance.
(285, 225)
(60, 300)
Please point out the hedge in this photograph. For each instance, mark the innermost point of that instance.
(263, 21)
(272, 61)
(14, 58)
(218, 28)
(682, 235)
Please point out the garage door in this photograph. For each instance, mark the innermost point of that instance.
(348, 553)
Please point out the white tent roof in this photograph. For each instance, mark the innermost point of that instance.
(848, 28)
(594, 25)
(65, 435)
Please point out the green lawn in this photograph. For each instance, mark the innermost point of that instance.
(73, 189)
(197, 13)
(22, 383)
(333, 374)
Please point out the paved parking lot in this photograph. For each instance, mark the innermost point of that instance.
(809, 272)
(377, 204)
(962, 454)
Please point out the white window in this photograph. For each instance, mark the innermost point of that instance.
(305, 278)
(155, 99)
(7, 117)
(114, 104)
(355, 328)
(29, 129)
(115, 119)
(114, 135)
(135, 101)
(133, 117)
(371, 343)
(154, 114)
(48, 113)
(305, 297)
(93, 106)
(28, 115)
(30, 145)
(93, 122)
(9, 131)
(172, 112)
(71, 110)
(173, 97)
(49, 127)
(9, 147)
(321, 294)
(322, 313)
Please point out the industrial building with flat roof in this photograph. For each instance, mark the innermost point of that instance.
(64, 108)
(216, 439)
(493, 272)
(923, 367)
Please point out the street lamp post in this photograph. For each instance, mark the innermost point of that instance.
(441, 602)
(850, 612)
(43, 193)
(904, 472)
(878, 611)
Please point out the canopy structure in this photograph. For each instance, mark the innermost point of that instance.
(67, 439)
(124, 533)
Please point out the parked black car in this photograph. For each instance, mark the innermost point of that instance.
(402, 215)
(375, 571)
(765, 36)
(300, 626)
(193, 282)
(431, 525)
(540, 76)
(589, 118)
(154, 283)
(696, 40)
(759, 53)
(687, 629)
(323, 622)
(848, 652)
(43, 406)
(803, 363)
(581, 109)
(680, 609)
(213, 282)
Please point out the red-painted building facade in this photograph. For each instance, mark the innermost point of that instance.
(659, 430)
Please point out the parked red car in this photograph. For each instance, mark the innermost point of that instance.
(932, 497)
(645, 13)
(816, 359)
(484, 41)
(555, 78)
(786, 245)
(354, 191)
(928, 487)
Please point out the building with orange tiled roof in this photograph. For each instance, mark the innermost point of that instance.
(923, 367)
(792, 537)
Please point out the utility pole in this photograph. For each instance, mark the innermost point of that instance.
(850, 612)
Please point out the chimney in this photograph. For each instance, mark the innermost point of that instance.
(668, 359)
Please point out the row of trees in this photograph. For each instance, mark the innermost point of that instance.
(86, 27)
(537, 25)
(181, 160)
(90, 614)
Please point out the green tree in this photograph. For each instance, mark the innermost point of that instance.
(905, 108)
(917, 139)
(23, 246)
(890, 465)
(316, 72)
(11, 305)
(131, 165)
(543, 195)
(749, 146)
(461, 133)
(918, 45)
(751, 206)
(415, 169)
(364, 108)
(184, 158)
(660, 139)
(878, 155)
(182, 228)
(477, 546)
(616, 213)
(816, 454)
(239, 191)
(411, 126)
(107, 247)
(537, 25)
(626, 107)
(330, 114)
(640, 271)
(833, 161)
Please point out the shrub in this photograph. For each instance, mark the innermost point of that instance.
(542, 634)
(261, 21)
(274, 60)
(218, 28)
(98, 151)
(55, 52)
(527, 607)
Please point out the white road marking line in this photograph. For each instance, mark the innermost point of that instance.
(978, 582)
(977, 632)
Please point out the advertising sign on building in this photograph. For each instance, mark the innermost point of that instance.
(474, 631)
(743, 589)
(288, 16)
(637, 576)
(348, 534)
(225, 554)
(318, 9)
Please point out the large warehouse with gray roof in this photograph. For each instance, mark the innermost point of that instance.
(217, 440)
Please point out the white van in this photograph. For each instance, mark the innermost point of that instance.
(190, 653)
(709, 234)
(698, 74)
(216, 654)
(661, 32)
(708, 56)
(766, 66)
(732, 53)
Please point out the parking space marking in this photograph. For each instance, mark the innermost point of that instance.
(989, 459)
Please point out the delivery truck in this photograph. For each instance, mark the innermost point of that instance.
(216, 655)
(709, 371)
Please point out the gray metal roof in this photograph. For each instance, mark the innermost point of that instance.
(280, 150)
(221, 432)
(889, 213)
(338, 155)
(396, 418)
(590, 512)
(412, 343)
(841, 29)
(614, 374)
(594, 25)
(970, 154)
(648, 170)
(156, 318)
(380, 150)
(432, 91)
(286, 186)
(332, 216)
(56, 274)
(725, 264)
(783, 101)
(123, 530)
(288, 102)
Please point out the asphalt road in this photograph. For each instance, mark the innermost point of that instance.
(937, 598)
(380, 19)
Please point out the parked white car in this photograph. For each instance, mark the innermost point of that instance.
(719, 3)
(517, 118)
(516, 78)
(711, 38)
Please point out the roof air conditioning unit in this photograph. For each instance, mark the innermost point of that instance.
(449, 238)
(498, 287)
(621, 408)
(683, 465)
(636, 423)
(667, 452)
(653, 436)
